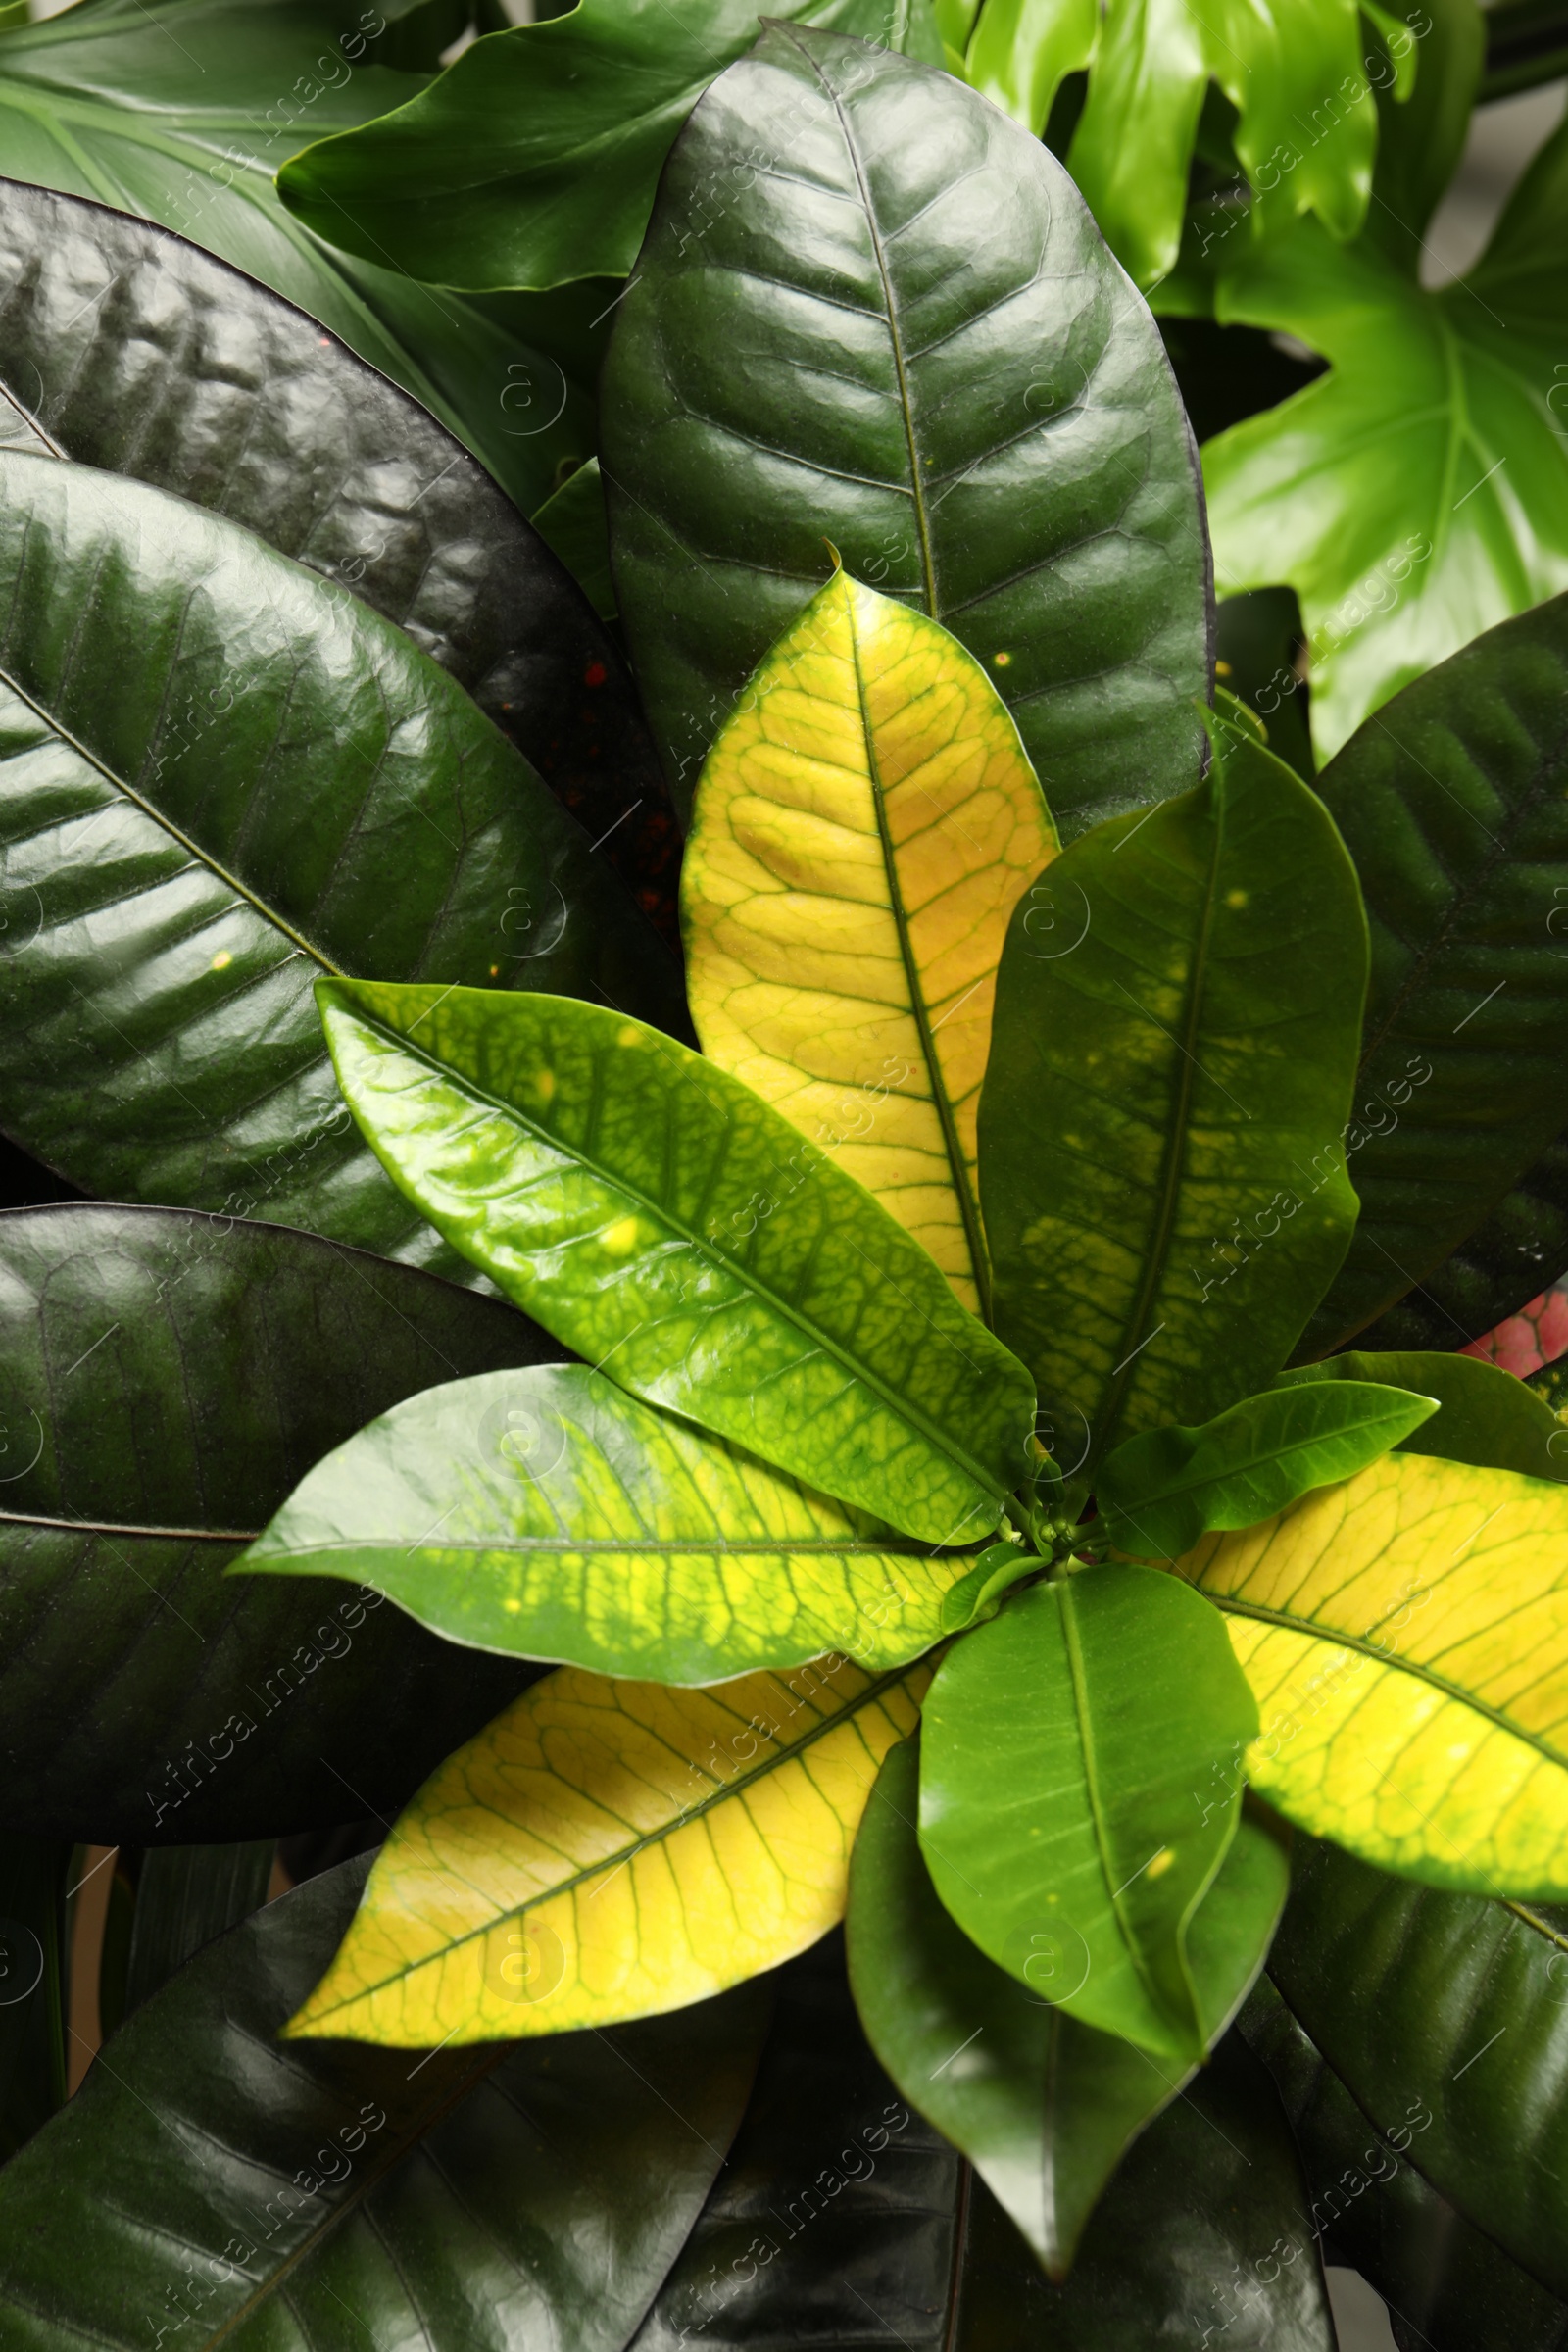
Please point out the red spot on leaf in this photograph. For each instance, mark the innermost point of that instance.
(594, 674)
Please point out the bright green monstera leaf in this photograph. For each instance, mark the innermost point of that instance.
(534, 158)
(1418, 492)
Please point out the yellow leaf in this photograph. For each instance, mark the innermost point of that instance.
(1405, 1635)
(864, 828)
(610, 1849)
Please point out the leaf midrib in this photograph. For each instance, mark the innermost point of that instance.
(132, 1527)
(912, 1414)
(616, 1547)
(186, 841)
(618, 1858)
(1363, 1644)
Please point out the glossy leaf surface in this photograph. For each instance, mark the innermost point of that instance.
(1080, 1781)
(1448, 2285)
(1486, 1415)
(1158, 1242)
(1417, 493)
(849, 319)
(535, 157)
(573, 522)
(1159, 1493)
(613, 1849)
(1044, 2106)
(169, 1379)
(864, 828)
(550, 1514)
(240, 2193)
(1453, 802)
(1446, 2017)
(841, 2204)
(1407, 1635)
(185, 116)
(663, 1220)
(125, 347)
(202, 792)
(35, 1873)
(1497, 1269)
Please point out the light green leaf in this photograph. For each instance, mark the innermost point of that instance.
(533, 159)
(668, 1225)
(549, 1513)
(1488, 1417)
(184, 114)
(1159, 1492)
(1178, 1016)
(1080, 1784)
(1041, 2105)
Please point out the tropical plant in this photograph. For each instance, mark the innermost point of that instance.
(972, 1458)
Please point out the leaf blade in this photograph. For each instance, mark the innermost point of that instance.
(636, 1196)
(601, 1790)
(861, 829)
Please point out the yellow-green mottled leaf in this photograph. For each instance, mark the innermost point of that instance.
(1406, 1638)
(548, 1513)
(864, 828)
(612, 1849)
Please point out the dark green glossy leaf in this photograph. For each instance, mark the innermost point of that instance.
(34, 1993)
(1454, 805)
(183, 114)
(1448, 2016)
(1449, 2287)
(234, 2191)
(1044, 2107)
(1497, 1269)
(124, 346)
(667, 1224)
(201, 796)
(841, 2219)
(575, 525)
(1159, 1492)
(1080, 1781)
(1178, 1013)
(167, 1380)
(603, 1533)
(1486, 1415)
(185, 1896)
(850, 321)
(535, 157)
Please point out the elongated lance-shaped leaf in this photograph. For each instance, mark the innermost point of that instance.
(1080, 1783)
(242, 404)
(550, 1514)
(1453, 801)
(534, 158)
(185, 1896)
(613, 1849)
(210, 762)
(169, 1379)
(1159, 1493)
(864, 828)
(1407, 1635)
(665, 1223)
(1178, 1014)
(240, 2195)
(1487, 1415)
(1446, 2017)
(902, 331)
(1041, 2105)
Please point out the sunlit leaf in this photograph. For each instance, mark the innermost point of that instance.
(1080, 1783)
(1487, 1415)
(864, 828)
(665, 1223)
(1407, 1636)
(612, 1849)
(551, 1514)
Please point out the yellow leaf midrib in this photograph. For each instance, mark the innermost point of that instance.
(722, 1794)
(957, 1165)
(1365, 1648)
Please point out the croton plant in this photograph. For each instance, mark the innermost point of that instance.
(907, 1380)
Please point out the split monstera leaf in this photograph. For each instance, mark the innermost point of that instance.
(800, 1499)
